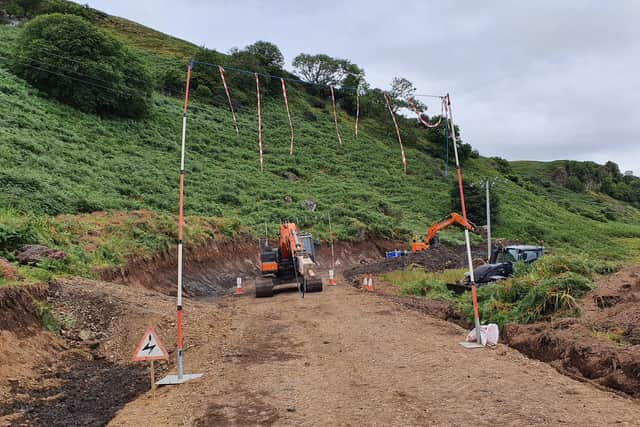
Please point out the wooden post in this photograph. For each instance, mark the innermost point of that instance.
(153, 380)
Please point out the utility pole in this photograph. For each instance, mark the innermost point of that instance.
(474, 286)
(488, 221)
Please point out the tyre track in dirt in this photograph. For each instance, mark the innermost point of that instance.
(345, 357)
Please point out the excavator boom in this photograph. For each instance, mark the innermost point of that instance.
(453, 218)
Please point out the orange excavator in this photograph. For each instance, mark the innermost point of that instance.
(291, 262)
(431, 235)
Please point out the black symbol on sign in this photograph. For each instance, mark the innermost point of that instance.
(149, 346)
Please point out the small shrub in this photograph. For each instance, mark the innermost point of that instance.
(18, 229)
(309, 116)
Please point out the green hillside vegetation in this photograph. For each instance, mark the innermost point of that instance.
(59, 161)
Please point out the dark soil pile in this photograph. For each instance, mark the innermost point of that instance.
(87, 393)
(436, 258)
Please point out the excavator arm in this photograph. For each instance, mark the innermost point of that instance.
(431, 233)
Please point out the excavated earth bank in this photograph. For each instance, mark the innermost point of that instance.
(211, 270)
(601, 346)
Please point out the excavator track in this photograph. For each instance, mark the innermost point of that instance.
(314, 284)
(264, 288)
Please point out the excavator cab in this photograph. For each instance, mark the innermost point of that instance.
(501, 263)
(308, 245)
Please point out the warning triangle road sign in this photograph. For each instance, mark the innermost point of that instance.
(150, 347)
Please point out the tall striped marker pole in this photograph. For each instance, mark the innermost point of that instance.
(357, 108)
(395, 124)
(286, 104)
(335, 114)
(181, 377)
(467, 240)
(180, 361)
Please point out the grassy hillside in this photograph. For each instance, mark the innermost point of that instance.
(57, 161)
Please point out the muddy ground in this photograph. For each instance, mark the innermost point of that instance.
(347, 357)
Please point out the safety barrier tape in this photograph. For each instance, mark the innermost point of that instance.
(412, 105)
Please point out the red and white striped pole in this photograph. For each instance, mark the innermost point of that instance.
(286, 104)
(474, 296)
(335, 114)
(226, 90)
(357, 109)
(181, 377)
(395, 124)
(179, 356)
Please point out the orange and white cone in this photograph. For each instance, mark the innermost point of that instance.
(370, 283)
(332, 282)
(239, 290)
(364, 282)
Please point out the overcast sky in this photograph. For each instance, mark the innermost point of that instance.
(536, 80)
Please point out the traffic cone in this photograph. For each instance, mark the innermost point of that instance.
(370, 283)
(239, 290)
(332, 282)
(364, 282)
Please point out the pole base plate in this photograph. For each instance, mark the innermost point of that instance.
(471, 344)
(174, 379)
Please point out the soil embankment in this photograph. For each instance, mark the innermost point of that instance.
(602, 345)
(18, 309)
(83, 375)
(211, 270)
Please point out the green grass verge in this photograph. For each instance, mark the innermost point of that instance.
(549, 287)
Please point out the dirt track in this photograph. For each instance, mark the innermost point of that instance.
(344, 357)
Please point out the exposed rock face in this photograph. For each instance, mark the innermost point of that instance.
(32, 254)
(310, 205)
(290, 176)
